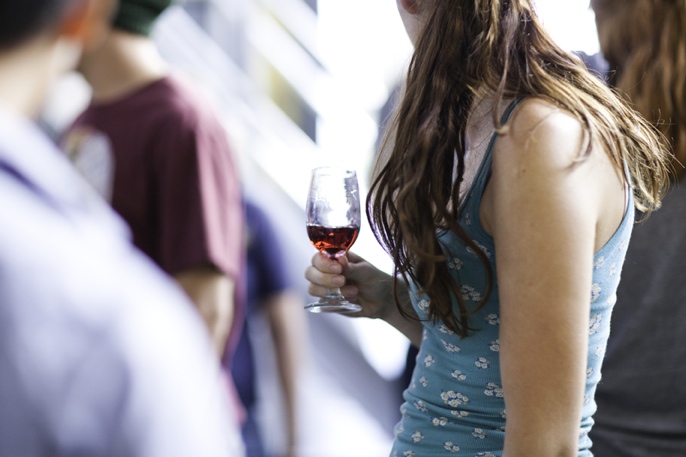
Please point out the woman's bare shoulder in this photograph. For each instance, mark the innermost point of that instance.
(540, 129)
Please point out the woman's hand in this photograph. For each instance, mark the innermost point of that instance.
(362, 283)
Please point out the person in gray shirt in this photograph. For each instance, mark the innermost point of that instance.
(100, 353)
(642, 397)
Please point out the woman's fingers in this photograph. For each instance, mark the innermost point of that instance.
(324, 274)
(316, 291)
(326, 265)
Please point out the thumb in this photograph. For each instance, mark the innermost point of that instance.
(351, 257)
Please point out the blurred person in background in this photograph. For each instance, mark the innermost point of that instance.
(100, 353)
(156, 150)
(505, 194)
(642, 397)
(271, 296)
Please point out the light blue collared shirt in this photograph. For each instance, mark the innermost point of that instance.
(100, 353)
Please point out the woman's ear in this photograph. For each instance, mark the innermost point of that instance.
(87, 21)
(411, 6)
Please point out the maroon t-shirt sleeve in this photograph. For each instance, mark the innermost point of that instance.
(198, 211)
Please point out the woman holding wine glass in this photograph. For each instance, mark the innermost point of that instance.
(505, 194)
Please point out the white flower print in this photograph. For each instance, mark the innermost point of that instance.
(450, 447)
(484, 454)
(429, 360)
(423, 381)
(455, 263)
(613, 269)
(482, 363)
(460, 414)
(503, 414)
(454, 399)
(482, 248)
(595, 292)
(423, 305)
(589, 373)
(598, 351)
(595, 324)
(444, 329)
(439, 421)
(398, 429)
(409, 454)
(479, 433)
(457, 374)
(468, 217)
(469, 293)
(495, 346)
(450, 347)
(599, 262)
(417, 436)
(492, 319)
(493, 390)
(403, 411)
(421, 406)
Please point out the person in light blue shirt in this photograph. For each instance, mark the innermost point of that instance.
(100, 354)
(504, 193)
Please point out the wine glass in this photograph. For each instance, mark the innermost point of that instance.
(333, 223)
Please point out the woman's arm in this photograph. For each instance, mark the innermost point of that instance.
(547, 216)
(368, 286)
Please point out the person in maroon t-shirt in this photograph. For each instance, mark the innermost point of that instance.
(156, 150)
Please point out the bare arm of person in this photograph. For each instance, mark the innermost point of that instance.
(548, 215)
(212, 293)
(288, 327)
(363, 283)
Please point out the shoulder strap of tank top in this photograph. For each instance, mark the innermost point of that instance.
(485, 168)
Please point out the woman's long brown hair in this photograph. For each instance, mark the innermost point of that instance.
(465, 46)
(644, 42)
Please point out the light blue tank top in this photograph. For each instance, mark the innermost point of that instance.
(454, 404)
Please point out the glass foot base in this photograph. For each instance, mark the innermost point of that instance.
(333, 307)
